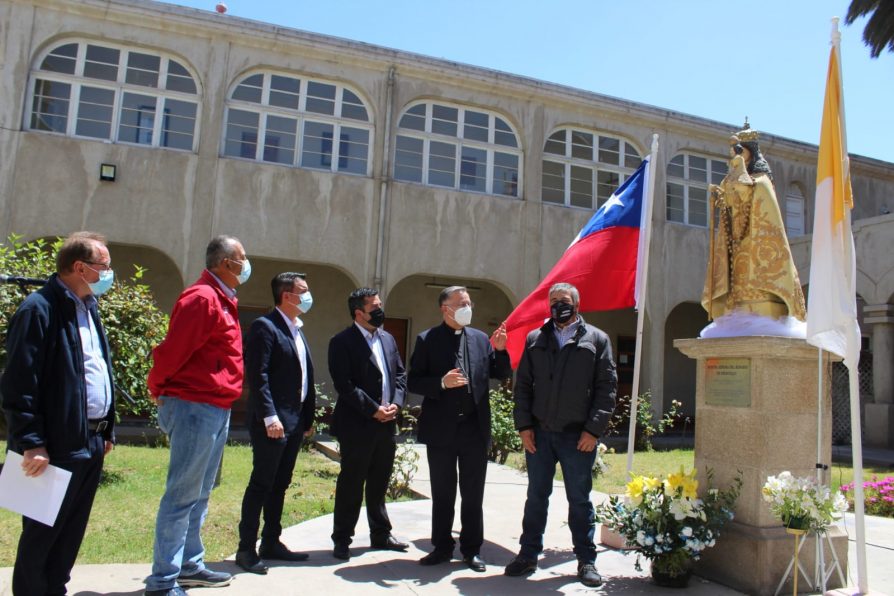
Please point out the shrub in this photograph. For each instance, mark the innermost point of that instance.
(878, 496)
(132, 320)
(647, 426)
(322, 417)
(505, 437)
(406, 459)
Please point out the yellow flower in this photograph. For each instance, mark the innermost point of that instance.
(651, 483)
(684, 481)
(635, 489)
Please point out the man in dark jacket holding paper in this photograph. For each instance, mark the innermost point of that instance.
(58, 396)
(564, 398)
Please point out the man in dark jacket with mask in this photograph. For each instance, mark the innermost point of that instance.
(58, 398)
(369, 377)
(564, 398)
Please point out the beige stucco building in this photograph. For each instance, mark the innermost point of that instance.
(443, 173)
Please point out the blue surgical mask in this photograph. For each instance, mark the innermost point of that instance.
(245, 273)
(103, 284)
(306, 301)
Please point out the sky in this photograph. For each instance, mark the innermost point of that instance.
(721, 60)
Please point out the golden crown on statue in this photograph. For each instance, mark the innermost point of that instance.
(746, 134)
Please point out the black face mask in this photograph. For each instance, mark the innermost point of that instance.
(562, 312)
(376, 317)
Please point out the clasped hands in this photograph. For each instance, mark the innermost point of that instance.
(585, 443)
(386, 413)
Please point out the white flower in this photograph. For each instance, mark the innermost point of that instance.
(686, 531)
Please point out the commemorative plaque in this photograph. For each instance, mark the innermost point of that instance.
(728, 382)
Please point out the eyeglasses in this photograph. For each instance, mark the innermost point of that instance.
(100, 266)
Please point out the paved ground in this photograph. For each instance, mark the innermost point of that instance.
(399, 573)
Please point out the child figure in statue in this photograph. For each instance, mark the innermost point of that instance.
(752, 286)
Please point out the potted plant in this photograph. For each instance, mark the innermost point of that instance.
(802, 504)
(665, 521)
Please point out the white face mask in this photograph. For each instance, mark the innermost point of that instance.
(463, 315)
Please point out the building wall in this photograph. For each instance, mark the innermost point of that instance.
(353, 230)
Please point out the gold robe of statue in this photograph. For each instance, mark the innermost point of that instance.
(751, 261)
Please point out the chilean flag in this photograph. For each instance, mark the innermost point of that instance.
(601, 263)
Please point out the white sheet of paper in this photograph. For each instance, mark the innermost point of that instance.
(38, 498)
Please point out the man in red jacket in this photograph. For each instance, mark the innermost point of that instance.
(196, 376)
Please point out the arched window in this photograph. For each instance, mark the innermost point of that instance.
(579, 165)
(688, 177)
(794, 211)
(104, 91)
(295, 121)
(457, 147)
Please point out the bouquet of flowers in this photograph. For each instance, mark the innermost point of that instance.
(665, 521)
(801, 504)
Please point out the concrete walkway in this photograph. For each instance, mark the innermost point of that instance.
(370, 572)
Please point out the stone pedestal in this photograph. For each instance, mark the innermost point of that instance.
(756, 415)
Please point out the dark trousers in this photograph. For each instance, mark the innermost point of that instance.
(273, 461)
(577, 472)
(46, 554)
(469, 453)
(366, 462)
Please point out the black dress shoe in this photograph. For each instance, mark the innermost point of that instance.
(279, 552)
(436, 557)
(520, 566)
(251, 562)
(389, 543)
(475, 563)
(341, 551)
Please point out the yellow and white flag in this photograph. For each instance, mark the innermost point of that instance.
(832, 304)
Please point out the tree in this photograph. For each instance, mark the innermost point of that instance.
(879, 30)
(132, 320)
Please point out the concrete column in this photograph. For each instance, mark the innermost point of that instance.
(879, 416)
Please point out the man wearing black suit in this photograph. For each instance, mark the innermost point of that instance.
(371, 383)
(280, 374)
(450, 367)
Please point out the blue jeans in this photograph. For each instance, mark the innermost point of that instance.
(577, 469)
(197, 433)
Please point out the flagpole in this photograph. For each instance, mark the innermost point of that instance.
(853, 369)
(641, 297)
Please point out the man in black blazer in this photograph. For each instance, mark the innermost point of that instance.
(371, 383)
(280, 374)
(450, 367)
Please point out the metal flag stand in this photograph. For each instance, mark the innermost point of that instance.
(822, 574)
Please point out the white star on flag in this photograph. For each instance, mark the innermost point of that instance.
(611, 202)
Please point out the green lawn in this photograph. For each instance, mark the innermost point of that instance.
(659, 463)
(122, 524)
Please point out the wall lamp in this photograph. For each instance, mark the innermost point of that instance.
(107, 172)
